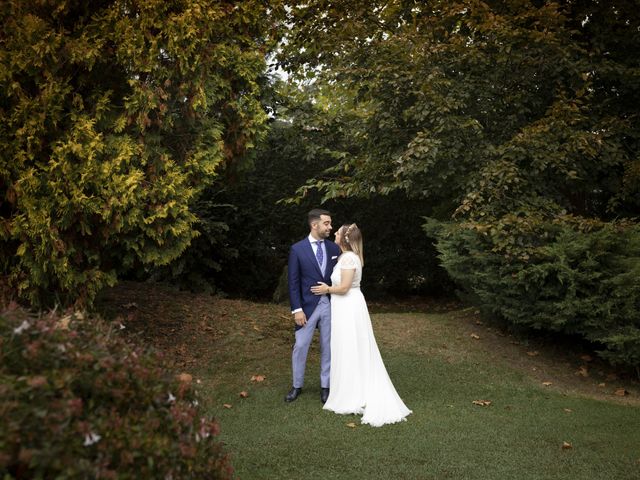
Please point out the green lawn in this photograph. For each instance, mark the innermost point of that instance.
(438, 368)
(519, 436)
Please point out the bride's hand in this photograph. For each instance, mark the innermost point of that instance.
(320, 289)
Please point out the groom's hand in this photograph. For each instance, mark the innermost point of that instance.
(300, 318)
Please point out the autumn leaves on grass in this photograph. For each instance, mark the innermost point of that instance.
(582, 371)
(244, 393)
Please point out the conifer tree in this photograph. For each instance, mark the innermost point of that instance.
(115, 115)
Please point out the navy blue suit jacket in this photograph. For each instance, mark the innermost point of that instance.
(304, 273)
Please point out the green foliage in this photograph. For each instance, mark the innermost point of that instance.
(78, 401)
(115, 116)
(200, 266)
(483, 107)
(566, 275)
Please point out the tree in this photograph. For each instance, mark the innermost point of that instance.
(483, 107)
(116, 114)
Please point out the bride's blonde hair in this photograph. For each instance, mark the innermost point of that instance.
(351, 240)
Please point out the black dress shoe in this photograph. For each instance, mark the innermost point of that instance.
(324, 394)
(293, 394)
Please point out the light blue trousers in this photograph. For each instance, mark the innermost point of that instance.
(321, 317)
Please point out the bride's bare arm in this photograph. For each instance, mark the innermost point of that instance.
(346, 279)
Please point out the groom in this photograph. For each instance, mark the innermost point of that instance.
(311, 261)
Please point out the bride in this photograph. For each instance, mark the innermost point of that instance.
(359, 380)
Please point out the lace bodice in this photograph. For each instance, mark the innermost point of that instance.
(347, 261)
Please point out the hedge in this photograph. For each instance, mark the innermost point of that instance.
(565, 274)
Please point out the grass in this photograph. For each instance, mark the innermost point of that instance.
(438, 368)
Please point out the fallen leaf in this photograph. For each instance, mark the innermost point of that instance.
(244, 394)
(602, 385)
(586, 358)
(568, 410)
(351, 425)
(482, 403)
(533, 353)
(621, 392)
(227, 405)
(477, 337)
(258, 378)
(566, 445)
(185, 378)
(63, 323)
(546, 384)
(582, 371)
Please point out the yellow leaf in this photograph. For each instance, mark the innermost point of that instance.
(63, 323)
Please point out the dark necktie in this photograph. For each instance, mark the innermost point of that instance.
(319, 253)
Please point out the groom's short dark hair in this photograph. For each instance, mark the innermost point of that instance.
(315, 214)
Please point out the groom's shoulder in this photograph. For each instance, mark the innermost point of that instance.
(300, 243)
(332, 244)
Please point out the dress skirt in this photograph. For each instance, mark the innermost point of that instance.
(359, 381)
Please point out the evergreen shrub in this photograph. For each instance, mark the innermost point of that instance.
(116, 115)
(77, 400)
(566, 275)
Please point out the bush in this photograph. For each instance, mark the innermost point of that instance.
(566, 275)
(79, 401)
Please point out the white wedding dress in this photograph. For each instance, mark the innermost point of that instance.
(359, 381)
